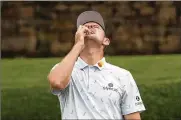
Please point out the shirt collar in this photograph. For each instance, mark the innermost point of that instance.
(100, 64)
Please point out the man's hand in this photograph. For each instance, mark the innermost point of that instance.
(80, 35)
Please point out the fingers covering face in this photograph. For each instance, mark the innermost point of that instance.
(83, 29)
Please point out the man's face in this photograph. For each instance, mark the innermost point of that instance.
(96, 32)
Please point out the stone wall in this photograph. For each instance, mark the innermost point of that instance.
(42, 29)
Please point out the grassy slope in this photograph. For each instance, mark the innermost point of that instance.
(26, 95)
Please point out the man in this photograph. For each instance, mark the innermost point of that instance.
(87, 86)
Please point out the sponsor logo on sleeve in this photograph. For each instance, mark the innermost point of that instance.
(138, 102)
(137, 98)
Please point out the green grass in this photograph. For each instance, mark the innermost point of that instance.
(26, 95)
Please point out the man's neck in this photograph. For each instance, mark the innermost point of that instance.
(92, 55)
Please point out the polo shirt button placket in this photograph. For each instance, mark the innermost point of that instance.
(91, 69)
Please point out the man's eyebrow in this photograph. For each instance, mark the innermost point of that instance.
(93, 26)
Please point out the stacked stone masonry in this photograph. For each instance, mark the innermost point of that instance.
(47, 28)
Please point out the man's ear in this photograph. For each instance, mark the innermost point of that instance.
(106, 41)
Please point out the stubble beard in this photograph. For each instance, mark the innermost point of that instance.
(90, 37)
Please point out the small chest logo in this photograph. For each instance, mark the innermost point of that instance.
(110, 87)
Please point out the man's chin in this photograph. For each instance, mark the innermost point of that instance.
(90, 37)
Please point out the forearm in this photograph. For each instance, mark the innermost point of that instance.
(133, 116)
(59, 77)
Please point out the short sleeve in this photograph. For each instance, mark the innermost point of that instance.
(131, 100)
(58, 91)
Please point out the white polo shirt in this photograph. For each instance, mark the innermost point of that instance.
(101, 91)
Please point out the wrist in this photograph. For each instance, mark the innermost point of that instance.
(77, 48)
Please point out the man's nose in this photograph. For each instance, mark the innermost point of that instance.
(90, 26)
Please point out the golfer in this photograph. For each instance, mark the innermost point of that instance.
(87, 86)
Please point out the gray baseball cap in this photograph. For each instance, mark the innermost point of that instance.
(90, 16)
